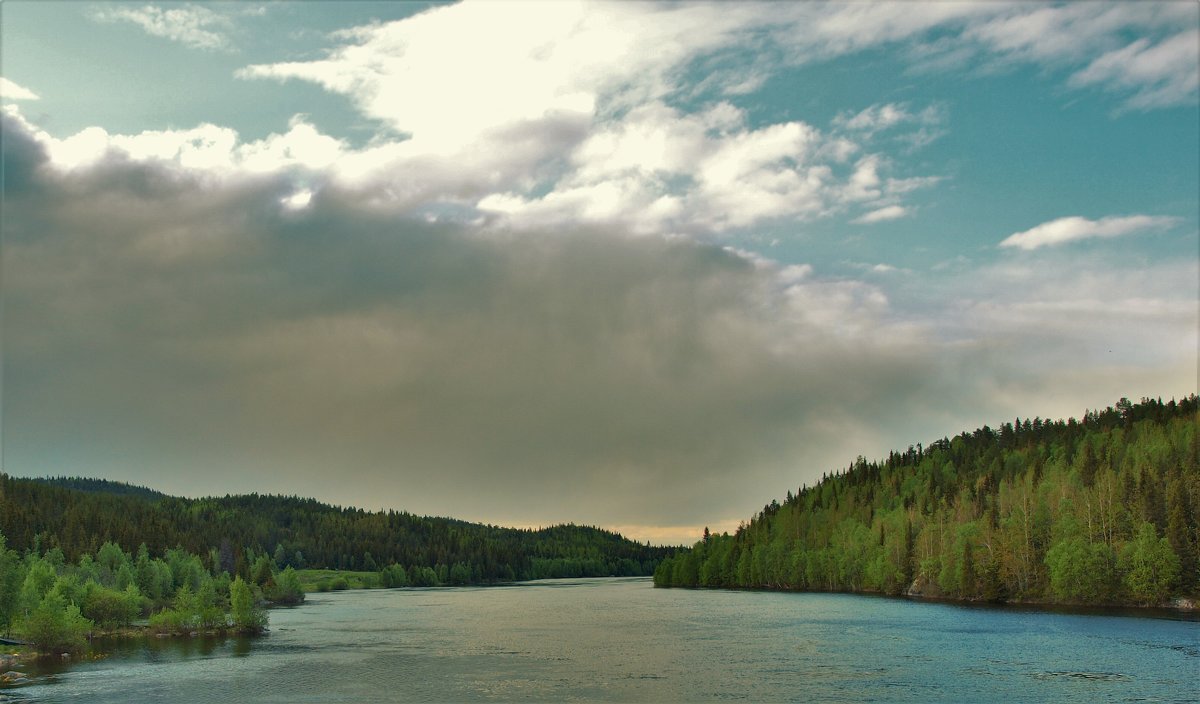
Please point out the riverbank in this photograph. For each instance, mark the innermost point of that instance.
(1186, 607)
(318, 580)
(619, 640)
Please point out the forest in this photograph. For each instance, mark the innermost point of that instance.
(54, 605)
(78, 516)
(1098, 511)
(85, 556)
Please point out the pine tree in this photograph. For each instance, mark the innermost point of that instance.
(966, 583)
(1087, 465)
(1179, 534)
(907, 566)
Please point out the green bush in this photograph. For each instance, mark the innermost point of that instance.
(110, 608)
(394, 576)
(247, 616)
(287, 589)
(55, 626)
(1080, 571)
(1151, 567)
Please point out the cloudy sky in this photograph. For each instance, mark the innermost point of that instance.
(643, 266)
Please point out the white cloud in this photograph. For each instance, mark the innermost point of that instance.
(302, 145)
(196, 26)
(1127, 323)
(838, 28)
(206, 147)
(1156, 70)
(561, 115)
(914, 129)
(874, 118)
(298, 200)
(1057, 34)
(10, 90)
(1159, 74)
(532, 115)
(1071, 229)
(889, 212)
(536, 115)
(880, 268)
(658, 170)
(452, 74)
(865, 182)
(879, 117)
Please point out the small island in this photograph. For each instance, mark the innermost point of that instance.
(52, 608)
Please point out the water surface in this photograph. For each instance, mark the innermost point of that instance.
(623, 640)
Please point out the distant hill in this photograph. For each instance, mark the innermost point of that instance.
(102, 486)
(79, 515)
(1097, 511)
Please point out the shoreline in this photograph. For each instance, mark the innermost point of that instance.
(1181, 608)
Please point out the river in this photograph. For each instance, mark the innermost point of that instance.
(623, 640)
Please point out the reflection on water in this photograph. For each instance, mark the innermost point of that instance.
(622, 640)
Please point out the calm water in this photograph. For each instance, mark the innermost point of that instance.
(623, 640)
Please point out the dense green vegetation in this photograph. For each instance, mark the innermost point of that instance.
(1098, 511)
(79, 556)
(77, 516)
(337, 580)
(55, 604)
(102, 486)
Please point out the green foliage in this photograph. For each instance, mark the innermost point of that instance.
(287, 588)
(182, 617)
(312, 580)
(40, 576)
(246, 535)
(262, 573)
(12, 576)
(1034, 510)
(55, 626)
(393, 576)
(110, 560)
(1080, 571)
(185, 568)
(423, 577)
(110, 608)
(200, 610)
(210, 612)
(246, 615)
(52, 603)
(1152, 568)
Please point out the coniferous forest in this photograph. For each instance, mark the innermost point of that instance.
(85, 556)
(1095, 511)
(77, 516)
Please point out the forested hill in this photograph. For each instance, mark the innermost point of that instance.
(1097, 511)
(103, 486)
(79, 516)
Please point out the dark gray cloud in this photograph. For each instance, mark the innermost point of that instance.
(190, 333)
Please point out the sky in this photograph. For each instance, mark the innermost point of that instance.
(635, 265)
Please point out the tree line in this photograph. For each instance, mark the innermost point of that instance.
(55, 604)
(78, 516)
(1095, 511)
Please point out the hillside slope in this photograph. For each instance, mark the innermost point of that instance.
(231, 531)
(1098, 511)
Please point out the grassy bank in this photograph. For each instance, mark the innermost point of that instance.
(336, 580)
